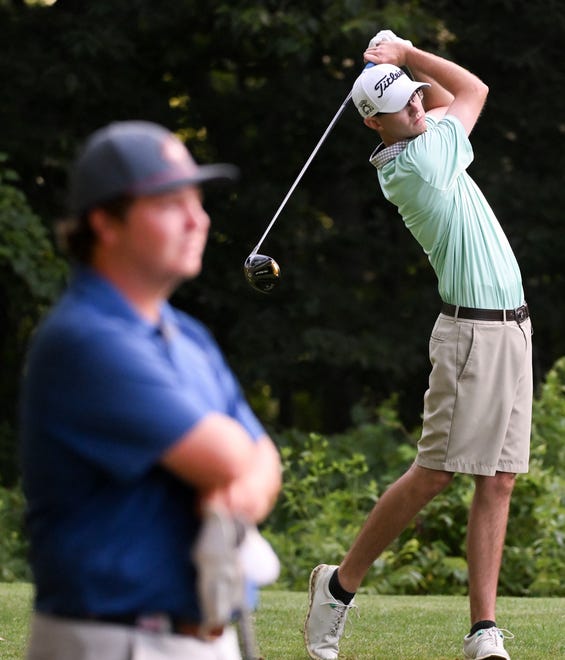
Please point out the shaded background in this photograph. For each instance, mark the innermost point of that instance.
(256, 83)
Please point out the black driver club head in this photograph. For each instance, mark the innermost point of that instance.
(262, 272)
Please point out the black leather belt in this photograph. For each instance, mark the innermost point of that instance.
(520, 314)
(156, 623)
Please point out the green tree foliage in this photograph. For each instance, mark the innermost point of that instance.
(30, 277)
(256, 83)
(13, 542)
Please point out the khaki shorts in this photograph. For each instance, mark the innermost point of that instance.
(54, 638)
(478, 407)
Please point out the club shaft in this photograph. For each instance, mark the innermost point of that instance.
(304, 168)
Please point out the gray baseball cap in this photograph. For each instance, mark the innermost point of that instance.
(135, 158)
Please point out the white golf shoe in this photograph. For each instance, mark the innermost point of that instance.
(486, 643)
(326, 616)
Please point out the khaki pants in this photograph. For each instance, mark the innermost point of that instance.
(53, 638)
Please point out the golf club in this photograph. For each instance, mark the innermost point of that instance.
(261, 271)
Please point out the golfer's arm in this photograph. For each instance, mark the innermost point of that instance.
(228, 468)
(211, 454)
(454, 89)
(255, 493)
(436, 96)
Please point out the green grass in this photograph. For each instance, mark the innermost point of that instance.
(15, 604)
(412, 627)
(384, 628)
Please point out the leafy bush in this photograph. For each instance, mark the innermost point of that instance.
(324, 502)
(330, 485)
(548, 424)
(535, 545)
(31, 275)
(26, 249)
(13, 543)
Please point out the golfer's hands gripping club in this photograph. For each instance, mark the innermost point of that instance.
(386, 48)
(387, 35)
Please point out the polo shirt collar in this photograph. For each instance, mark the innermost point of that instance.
(104, 295)
(382, 155)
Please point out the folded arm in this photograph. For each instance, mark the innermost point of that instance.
(220, 459)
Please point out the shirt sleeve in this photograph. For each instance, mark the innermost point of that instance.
(442, 153)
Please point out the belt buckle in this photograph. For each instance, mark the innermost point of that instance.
(200, 631)
(521, 314)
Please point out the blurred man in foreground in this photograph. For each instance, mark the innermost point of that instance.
(135, 432)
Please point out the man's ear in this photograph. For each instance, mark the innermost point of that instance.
(103, 225)
(373, 123)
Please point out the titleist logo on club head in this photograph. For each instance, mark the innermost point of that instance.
(382, 84)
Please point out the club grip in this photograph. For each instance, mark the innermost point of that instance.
(368, 65)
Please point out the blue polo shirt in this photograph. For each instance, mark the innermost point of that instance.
(104, 394)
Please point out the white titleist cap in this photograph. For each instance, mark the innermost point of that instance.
(383, 88)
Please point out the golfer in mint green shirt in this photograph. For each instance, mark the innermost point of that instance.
(450, 217)
(477, 409)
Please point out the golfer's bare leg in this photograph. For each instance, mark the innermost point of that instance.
(486, 532)
(391, 514)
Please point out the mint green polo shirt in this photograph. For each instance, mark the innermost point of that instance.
(448, 215)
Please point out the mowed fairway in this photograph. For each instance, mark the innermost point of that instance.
(383, 627)
(412, 627)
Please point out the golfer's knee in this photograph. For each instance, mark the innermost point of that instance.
(441, 480)
(500, 485)
(432, 482)
(504, 482)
